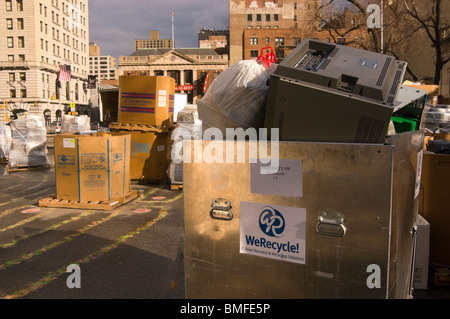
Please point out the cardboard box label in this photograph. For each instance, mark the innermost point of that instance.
(68, 143)
(66, 160)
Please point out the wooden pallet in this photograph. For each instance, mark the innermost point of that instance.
(140, 127)
(12, 169)
(176, 187)
(94, 205)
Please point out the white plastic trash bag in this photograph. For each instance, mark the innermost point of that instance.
(237, 97)
(5, 141)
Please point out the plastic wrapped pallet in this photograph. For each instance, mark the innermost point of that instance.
(29, 137)
(5, 141)
(76, 124)
(188, 127)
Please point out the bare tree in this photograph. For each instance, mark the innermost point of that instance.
(431, 21)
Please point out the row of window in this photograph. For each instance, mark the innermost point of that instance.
(73, 11)
(20, 42)
(12, 76)
(66, 38)
(259, 17)
(9, 5)
(21, 58)
(57, 52)
(45, 94)
(278, 41)
(10, 24)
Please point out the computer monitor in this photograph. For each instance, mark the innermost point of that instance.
(326, 92)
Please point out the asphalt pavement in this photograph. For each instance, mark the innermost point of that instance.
(132, 252)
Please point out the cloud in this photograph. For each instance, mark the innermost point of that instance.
(115, 24)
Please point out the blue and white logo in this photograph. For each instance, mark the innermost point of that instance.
(271, 222)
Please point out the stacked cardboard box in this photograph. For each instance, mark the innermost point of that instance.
(92, 167)
(146, 105)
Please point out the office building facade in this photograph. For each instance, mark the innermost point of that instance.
(36, 39)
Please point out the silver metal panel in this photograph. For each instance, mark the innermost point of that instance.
(353, 179)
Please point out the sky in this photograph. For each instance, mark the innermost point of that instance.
(115, 24)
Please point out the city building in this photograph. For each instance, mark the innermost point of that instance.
(38, 39)
(292, 20)
(154, 42)
(190, 68)
(104, 67)
(214, 39)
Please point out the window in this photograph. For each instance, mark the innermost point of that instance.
(19, 5)
(253, 41)
(258, 17)
(21, 42)
(254, 53)
(8, 5)
(12, 77)
(275, 17)
(9, 24)
(267, 40)
(10, 58)
(23, 76)
(23, 92)
(267, 17)
(20, 25)
(10, 42)
(297, 41)
(12, 93)
(279, 41)
(249, 17)
(22, 57)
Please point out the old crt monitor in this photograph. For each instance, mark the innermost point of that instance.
(325, 92)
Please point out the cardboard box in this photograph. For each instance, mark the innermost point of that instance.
(147, 100)
(422, 256)
(92, 167)
(150, 155)
(434, 204)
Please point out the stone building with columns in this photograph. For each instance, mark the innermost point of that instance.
(190, 68)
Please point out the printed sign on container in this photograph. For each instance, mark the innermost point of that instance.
(272, 231)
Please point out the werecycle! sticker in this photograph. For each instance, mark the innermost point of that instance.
(272, 231)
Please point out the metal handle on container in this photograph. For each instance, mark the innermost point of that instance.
(221, 209)
(331, 223)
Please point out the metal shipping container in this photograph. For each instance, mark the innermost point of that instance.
(335, 221)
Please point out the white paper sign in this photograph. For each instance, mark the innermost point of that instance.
(162, 98)
(284, 180)
(68, 143)
(271, 231)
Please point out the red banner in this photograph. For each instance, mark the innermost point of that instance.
(185, 87)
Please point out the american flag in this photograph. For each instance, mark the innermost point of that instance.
(65, 73)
